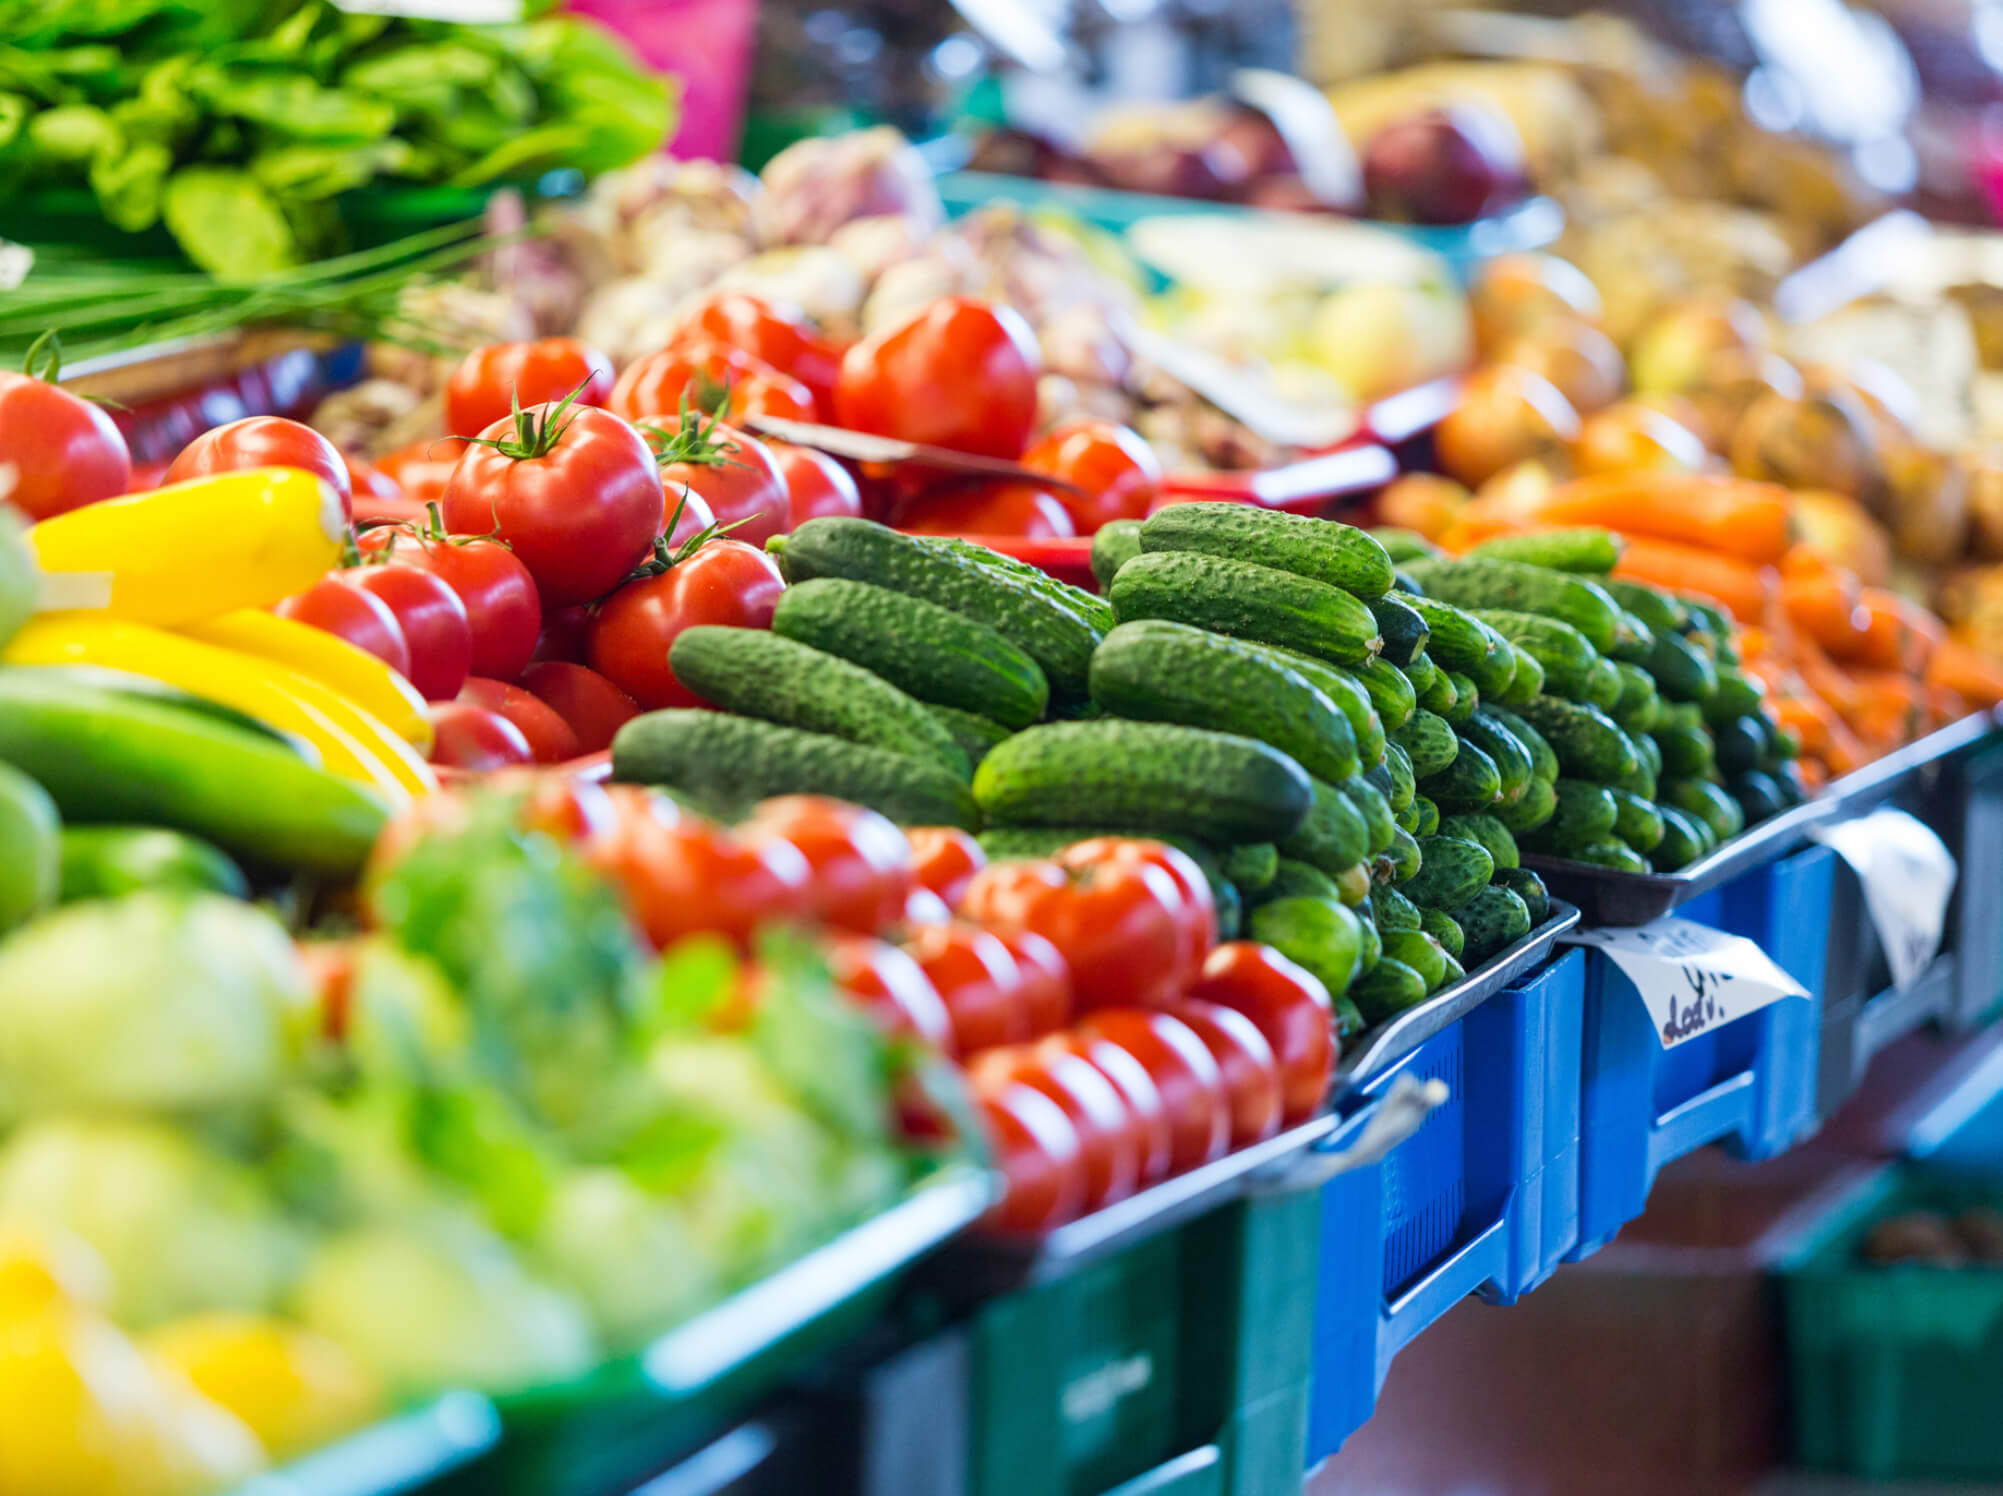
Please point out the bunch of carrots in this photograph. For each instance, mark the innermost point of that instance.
(1854, 671)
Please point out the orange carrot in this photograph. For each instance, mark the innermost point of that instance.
(1740, 589)
(1824, 607)
(1889, 711)
(1742, 519)
(1898, 634)
(1959, 667)
(1814, 773)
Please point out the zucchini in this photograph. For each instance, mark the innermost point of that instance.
(1444, 928)
(1391, 694)
(1211, 785)
(1403, 630)
(929, 652)
(1451, 872)
(1486, 832)
(1333, 836)
(1154, 671)
(726, 760)
(1428, 742)
(1658, 609)
(1529, 808)
(1585, 739)
(1324, 551)
(1425, 816)
(1543, 762)
(1470, 782)
(1055, 635)
(1247, 602)
(1386, 990)
(1319, 934)
(1404, 545)
(1528, 887)
(975, 734)
(1298, 880)
(1636, 821)
(1393, 911)
(1525, 589)
(107, 862)
(1493, 920)
(1114, 544)
(1513, 763)
(1593, 552)
(757, 673)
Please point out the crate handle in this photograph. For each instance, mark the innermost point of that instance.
(1405, 1106)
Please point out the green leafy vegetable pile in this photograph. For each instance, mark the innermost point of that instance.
(238, 125)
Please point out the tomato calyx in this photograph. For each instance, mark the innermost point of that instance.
(44, 361)
(667, 556)
(693, 441)
(533, 438)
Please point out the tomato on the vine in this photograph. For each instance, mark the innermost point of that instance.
(502, 606)
(549, 737)
(732, 473)
(1112, 1140)
(987, 506)
(710, 378)
(1036, 1148)
(724, 582)
(491, 381)
(471, 737)
(947, 859)
(1118, 471)
(572, 491)
(65, 451)
(264, 441)
(689, 878)
(891, 988)
(353, 614)
(960, 373)
(817, 486)
(860, 862)
(432, 619)
(777, 333)
(594, 707)
(1289, 1005)
(1245, 1061)
(1180, 1065)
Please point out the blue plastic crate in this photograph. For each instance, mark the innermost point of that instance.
(1749, 1084)
(1483, 1198)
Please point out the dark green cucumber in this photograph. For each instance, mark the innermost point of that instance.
(1444, 928)
(1114, 544)
(1527, 809)
(1400, 860)
(1403, 630)
(1685, 743)
(1617, 855)
(1742, 744)
(1391, 694)
(1056, 636)
(1588, 744)
(1513, 764)
(1658, 609)
(1638, 706)
(1153, 671)
(1525, 681)
(1525, 589)
(1451, 872)
(1334, 834)
(1590, 551)
(975, 734)
(1428, 741)
(1713, 628)
(1375, 808)
(1212, 785)
(1650, 753)
(1709, 803)
(1486, 832)
(1386, 990)
(1460, 641)
(1373, 941)
(929, 652)
(1759, 795)
(1418, 950)
(1397, 767)
(1407, 819)
(1543, 762)
(757, 673)
(1493, 920)
(1470, 782)
(1251, 867)
(1736, 696)
(1585, 812)
(1528, 887)
(1441, 694)
(1247, 602)
(1319, 934)
(1342, 688)
(1393, 911)
(721, 759)
(1684, 840)
(1297, 880)
(1463, 700)
(1421, 672)
(1682, 671)
(1636, 821)
(1603, 685)
(1325, 551)
(1089, 606)
(1634, 640)
(1425, 816)
(1404, 545)
(1562, 650)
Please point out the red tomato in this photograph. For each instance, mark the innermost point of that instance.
(725, 582)
(925, 907)
(360, 617)
(1290, 1006)
(891, 988)
(686, 878)
(1111, 1140)
(987, 506)
(686, 515)
(1199, 929)
(563, 634)
(947, 859)
(569, 809)
(978, 979)
(1138, 1092)
(1178, 1062)
(860, 862)
(1036, 1148)
(378, 497)
(742, 486)
(1119, 472)
(1046, 980)
(471, 737)
(575, 496)
(264, 441)
(433, 621)
(421, 470)
(491, 381)
(778, 334)
(1245, 1060)
(713, 378)
(1123, 921)
(961, 373)
(816, 485)
(549, 737)
(65, 450)
(502, 608)
(591, 704)
(147, 476)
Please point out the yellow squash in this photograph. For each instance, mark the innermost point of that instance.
(327, 658)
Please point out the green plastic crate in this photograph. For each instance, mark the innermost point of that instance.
(1896, 1369)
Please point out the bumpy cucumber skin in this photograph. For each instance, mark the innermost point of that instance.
(1589, 551)
(1513, 763)
(1562, 650)
(1486, 832)
(1588, 743)
(1528, 887)
(1324, 937)
(1390, 692)
(1493, 920)
(1333, 836)
(1393, 911)
(1525, 589)
(1404, 631)
(976, 735)
(1470, 782)
(1114, 544)
(1247, 602)
(1325, 551)
(1636, 821)
(1428, 742)
(1451, 872)
(1529, 808)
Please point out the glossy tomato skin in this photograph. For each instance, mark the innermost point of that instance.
(779, 334)
(979, 981)
(579, 518)
(1245, 1061)
(472, 737)
(420, 472)
(860, 862)
(744, 489)
(1046, 980)
(353, 614)
(817, 486)
(502, 608)
(961, 373)
(925, 907)
(491, 380)
(562, 635)
(1036, 1148)
(686, 514)
(1111, 1139)
(725, 582)
(1199, 924)
(594, 707)
(1290, 1006)
(1115, 466)
(549, 737)
(891, 987)
(432, 619)
(986, 506)
(264, 441)
(711, 377)
(1138, 1092)
(946, 859)
(65, 451)
(1180, 1064)
(686, 878)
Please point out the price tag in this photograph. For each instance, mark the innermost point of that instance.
(1907, 876)
(1691, 977)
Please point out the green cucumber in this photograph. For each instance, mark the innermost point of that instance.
(1373, 944)
(1742, 744)
(1617, 855)
(1398, 768)
(1603, 685)
(1528, 887)
(1444, 928)
(1709, 803)
(1418, 950)
(1252, 866)
(1585, 812)
(1348, 693)
(1525, 589)
(1247, 602)
(1639, 707)
(1320, 935)
(1684, 840)
(1153, 671)
(1403, 630)
(108, 862)
(1421, 672)
(1325, 551)
(1441, 694)
(1428, 741)
(1658, 609)
(1636, 821)
(1114, 544)
(1686, 751)
(1526, 679)
(31, 845)
(930, 653)
(1393, 911)
(1587, 742)
(1682, 671)
(1089, 606)
(1425, 816)
(1759, 795)
(1400, 860)
(1386, 990)
(1298, 880)
(1486, 832)
(1590, 551)
(1634, 640)
(1334, 834)
(1737, 696)
(1375, 808)
(1513, 764)
(1451, 872)
(1465, 700)
(1404, 545)
(1391, 694)
(1716, 627)
(1493, 920)
(1470, 782)
(1529, 808)
(1456, 640)
(1562, 650)
(975, 734)
(1407, 819)
(1353, 885)
(1543, 762)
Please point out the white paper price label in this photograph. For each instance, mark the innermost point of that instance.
(1907, 875)
(1691, 977)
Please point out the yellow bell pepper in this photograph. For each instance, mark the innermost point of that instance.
(327, 658)
(193, 550)
(42, 1267)
(268, 692)
(293, 1388)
